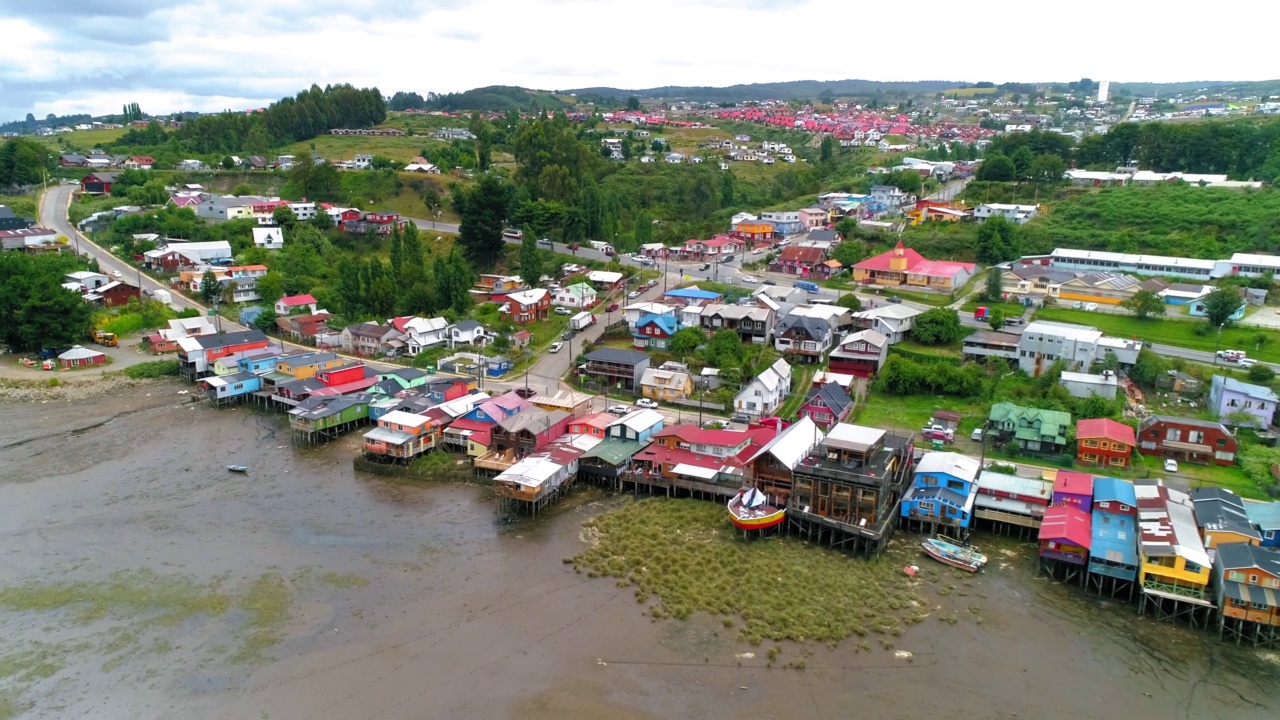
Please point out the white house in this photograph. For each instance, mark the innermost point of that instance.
(468, 332)
(762, 396)
(268, 238)
(674, 158)
(1043, 343)
(422, 333)
(578, 295)
(295, 304)
(1018, 214)
(1083, 385)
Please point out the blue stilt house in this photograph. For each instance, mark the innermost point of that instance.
(1113, 547)
(942, 492)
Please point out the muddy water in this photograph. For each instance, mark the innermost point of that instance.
(412, 601)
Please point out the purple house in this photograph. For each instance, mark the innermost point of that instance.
(1074, 489)
(1230, 397)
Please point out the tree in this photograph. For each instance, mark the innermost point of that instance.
(530, 260)
(210, 288)
(997, 168)
(270, 287)
(1261, 374)
(241, 190)
(1143, 304)
(937, 326)
(1149, 368)
(266, 320)
(24, 162)
(997, 241)
(322, 221)
(1221, 304)
(482, 209)
(686, 340)
(284, 216)
(827, 152)
(994, 290)
(995, 319)
(1047, 170)
(1022, 159)
(35, 310)
(851, 301)
(633, 103)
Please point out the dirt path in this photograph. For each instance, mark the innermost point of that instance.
(129, 353)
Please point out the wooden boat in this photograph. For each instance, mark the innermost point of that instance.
(750, 510)
(238, 468)
(958, 556)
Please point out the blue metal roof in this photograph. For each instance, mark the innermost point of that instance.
(692, 294)
(666, 322)
(1114, 536)
(1266, 515)
(1121, 491)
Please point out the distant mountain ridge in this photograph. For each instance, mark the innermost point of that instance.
(789, 90)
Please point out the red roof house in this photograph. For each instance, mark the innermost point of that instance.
(1105, 442)
(904, 266)
(1073, 488)
(1065, 534)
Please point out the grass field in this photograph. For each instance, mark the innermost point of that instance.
(955, 351)
(970, 92)
(1009, 309)
(84, 138)
(911, 412)
(345, 147)
(21, 205)
(1173, 332)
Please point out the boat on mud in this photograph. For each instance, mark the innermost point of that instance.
(964, 557)
(750, 510)
(238, 468)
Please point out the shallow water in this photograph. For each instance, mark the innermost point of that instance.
(413, 600)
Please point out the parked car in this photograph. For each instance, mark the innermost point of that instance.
(740, 418)
(613, 307)
(555, 347)
(646, 403)
(1091, 307)
(938, 432)
(976, 435)
(633, 294)
(619, 410)
(1170, 465)
(1015, 320)
(561, 310)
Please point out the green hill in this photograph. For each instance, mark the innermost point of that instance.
(497, 98)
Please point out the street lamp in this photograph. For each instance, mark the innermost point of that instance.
(1217, 344)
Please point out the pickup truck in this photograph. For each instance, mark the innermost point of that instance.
(938, 432)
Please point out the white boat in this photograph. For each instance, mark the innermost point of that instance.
(959, 556)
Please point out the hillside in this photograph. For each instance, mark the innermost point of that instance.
(792, 90)
(497, 98)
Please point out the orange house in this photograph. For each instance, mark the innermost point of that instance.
(1104, 442)
(754, 231)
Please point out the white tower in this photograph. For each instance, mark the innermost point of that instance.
(1104, 89)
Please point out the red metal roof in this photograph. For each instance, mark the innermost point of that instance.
(1107, 429)
(1073, 483)
(1068, 524)
(296, 300)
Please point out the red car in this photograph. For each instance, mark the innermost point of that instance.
(612, 308)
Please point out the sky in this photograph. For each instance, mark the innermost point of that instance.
(72, 56)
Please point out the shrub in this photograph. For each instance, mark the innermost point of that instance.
(152, 370)
(1261, 374)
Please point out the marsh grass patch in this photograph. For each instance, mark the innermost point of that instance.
(683, 557)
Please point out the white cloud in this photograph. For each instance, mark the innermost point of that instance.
(82, 55)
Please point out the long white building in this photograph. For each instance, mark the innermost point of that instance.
(1240, 264)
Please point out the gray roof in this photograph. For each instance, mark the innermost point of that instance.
(1245, 555)
(466, 325)
(830, 235)
(618, 356)
(833, 396)
(210, 342)
(1150, 420)
(814, 327)
(535, 420)
(1218, 509)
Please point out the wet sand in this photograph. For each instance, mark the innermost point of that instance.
(412, 601)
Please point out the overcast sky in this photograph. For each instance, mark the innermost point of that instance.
(65, 56)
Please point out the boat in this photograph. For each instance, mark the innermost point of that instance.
(750, 510)
(959, 556)
(238, 468)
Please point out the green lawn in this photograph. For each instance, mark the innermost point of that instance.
(1231, 478)
(911, 412)
(1010, 309)
(923, 298)
(803, 380)
(1172, 332)
(951, 351)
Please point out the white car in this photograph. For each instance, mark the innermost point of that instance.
(646, 403)
(561, 310)
(1247, 362)
(633, 294)
(116, 274)
(619, 410)
(749, 279)
(1170, 465)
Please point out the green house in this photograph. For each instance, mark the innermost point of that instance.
(326, 413)
(405, 377)
(1031, 429)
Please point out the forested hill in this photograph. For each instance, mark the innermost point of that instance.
(496, 98)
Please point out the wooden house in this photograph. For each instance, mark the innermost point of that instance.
(225, 388)
(1113, 546)
(1265, 516)
(1222, 518)
(529, 431)
(1073, 488)
(654, 331)
(328, 416)
(943, 491)
(860, 354)
(612, 367)
(301, 367)
(771, 469)
(1009, 502)
(401, 436)
(1175, 565)
(1030, 429)
(527, 306)
(827, 405)
(1104, 442)
(1187, 440)
(197, 354)
(1247, 590)
(1065, 535)
(802, 338)
(848, 487)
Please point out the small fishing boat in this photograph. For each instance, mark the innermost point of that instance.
(959, 556)
(238, 468)
(750, 510)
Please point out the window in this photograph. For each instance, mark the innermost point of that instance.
(1253, 579)
(1222, 442)
(1116, 461)
(1271, 582)
(1191, 567)
(1195, 436)
(1090, 443)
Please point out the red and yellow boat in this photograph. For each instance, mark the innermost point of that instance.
(750, 510)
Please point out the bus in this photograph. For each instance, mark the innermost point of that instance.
(807, 285)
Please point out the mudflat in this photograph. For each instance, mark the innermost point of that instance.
(141, 579)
